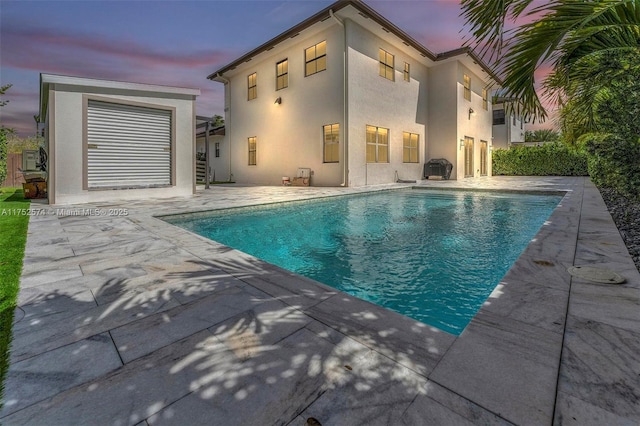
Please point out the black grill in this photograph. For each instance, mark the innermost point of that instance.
(438, 167)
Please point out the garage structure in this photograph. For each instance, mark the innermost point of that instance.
(109, 140)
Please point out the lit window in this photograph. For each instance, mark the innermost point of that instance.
(217, 149)
(407, 74)
(252, 151)
(386, 65)
(331, 143)
(484, 152)
(315, 58)
(467, 87)
(252, 82)
(410, 147)
(282, 74)
(485, 100)
(377, 144)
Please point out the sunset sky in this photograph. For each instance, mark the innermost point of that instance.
(176, 43)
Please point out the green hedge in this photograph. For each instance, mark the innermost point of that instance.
(614, 162)
(555, 159)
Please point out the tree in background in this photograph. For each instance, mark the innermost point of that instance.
(563, 33)
(4, 131)
(542, 135)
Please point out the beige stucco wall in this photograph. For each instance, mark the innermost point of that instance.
(398, 105)
(67, 125)
(288, 135)
(477, 126)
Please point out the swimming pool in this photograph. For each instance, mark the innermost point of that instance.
(434, 256)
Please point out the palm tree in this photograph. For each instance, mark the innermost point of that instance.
(564, 33)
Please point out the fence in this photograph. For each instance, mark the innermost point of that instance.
(14, 176)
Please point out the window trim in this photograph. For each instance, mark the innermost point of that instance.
(386, 65)
(411, 149)
(254, 150)
(255, 86)
(325, 143)
(285, 75)
(377, 144)
(315, 58)
(467, 87)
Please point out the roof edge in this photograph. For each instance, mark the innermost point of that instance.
(46, 79)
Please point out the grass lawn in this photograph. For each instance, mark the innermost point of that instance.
(13, 236)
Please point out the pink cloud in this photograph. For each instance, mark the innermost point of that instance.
(66, 52)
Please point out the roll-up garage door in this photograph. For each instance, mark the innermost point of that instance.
(128, 146)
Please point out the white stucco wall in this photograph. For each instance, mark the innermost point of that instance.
(289, 135)
(443, 106)
(67, 124)
(398, 105)
(504, 135)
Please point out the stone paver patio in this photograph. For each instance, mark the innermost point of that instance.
(127, 320)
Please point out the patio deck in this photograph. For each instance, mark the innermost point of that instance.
(128, 320)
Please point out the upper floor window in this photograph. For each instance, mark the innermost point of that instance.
(282, 74)
(331, 143)
(498, 117)
(513, 119)
(386, 65)
(217, 149)
(377, 144)
(252, 82)
(467, 87)
(315, 58)
(407, 70)
(485, 100)
(410, 147)
(252, 151)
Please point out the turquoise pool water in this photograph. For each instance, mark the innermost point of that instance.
(434, 256)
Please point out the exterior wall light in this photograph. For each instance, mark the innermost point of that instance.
(471, 111)
(461, 143)
(278, 100)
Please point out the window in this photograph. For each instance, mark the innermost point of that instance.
(331, 143)
(410, 147)
(217, 149)
(467, 87)
(315, 58)
(468, 156)
(252, 82)
(282, 74)
(498, 117)
(513, 119)
(483, 158)
(252, 151)
(377, 144)
(407, 74)
(485, 101)
(386, 64)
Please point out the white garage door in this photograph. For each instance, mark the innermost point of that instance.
(128, 146)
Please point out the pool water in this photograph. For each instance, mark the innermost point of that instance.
(434, 256)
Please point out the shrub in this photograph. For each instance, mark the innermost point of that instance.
(614, 162)
(555, 159)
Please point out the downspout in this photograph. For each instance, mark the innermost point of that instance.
(345, 132)
(227, 128)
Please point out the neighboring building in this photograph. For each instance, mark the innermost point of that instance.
(508, 127)
(355, 99)
(218, 151)
(110, 140)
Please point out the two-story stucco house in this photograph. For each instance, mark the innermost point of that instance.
(355, 99)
